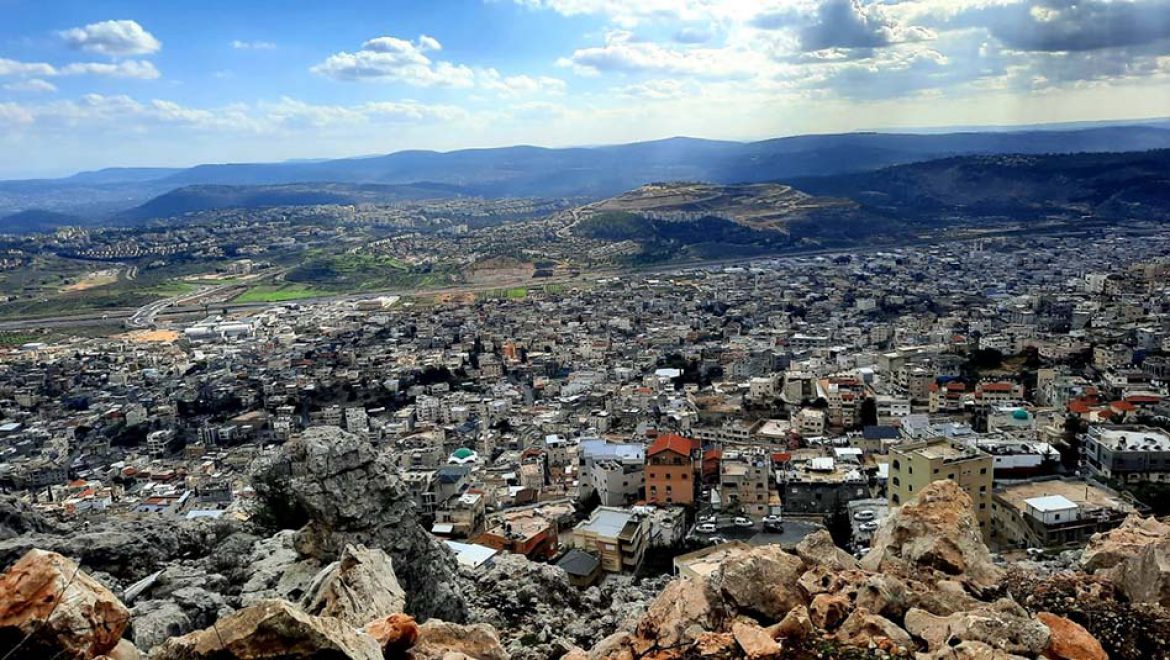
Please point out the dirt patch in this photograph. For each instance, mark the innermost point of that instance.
(92, 280)
(151, 336)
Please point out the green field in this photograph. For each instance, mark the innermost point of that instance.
(281, 293)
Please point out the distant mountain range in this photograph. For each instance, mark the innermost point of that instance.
(593, 172)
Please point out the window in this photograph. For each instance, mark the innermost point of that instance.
(982, 470)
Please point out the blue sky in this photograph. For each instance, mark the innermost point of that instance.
(87, 84)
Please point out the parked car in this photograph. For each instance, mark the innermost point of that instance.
(773, 519)
(864, 515)
(706, 528)
(741, 521)
(709, 519)
(868, 526)
(717, 540)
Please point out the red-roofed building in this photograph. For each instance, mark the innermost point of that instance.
(670, 470)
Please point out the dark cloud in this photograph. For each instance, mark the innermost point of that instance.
(847, 24)
(1072, 26)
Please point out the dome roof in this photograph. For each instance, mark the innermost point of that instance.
(463, 453)
(1020, 414)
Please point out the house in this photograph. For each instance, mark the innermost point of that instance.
(584, 569)
(670, 470)
(914, 466)
(617, 536)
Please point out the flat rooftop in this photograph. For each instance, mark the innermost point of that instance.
(1138, 439)
(1083, 494)
(606, 522)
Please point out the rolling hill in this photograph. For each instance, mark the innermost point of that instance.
(596, 172)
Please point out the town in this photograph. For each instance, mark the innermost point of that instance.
(639, 423)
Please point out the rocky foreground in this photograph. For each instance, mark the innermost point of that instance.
(337, 567)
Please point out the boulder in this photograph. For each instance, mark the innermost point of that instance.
(277, 571)
(153, 622)
(762, 580)
(269, 629)
(795, 625)
(1108, 549)
(51, 607)
(1069, 640)
(934, 535)
(1002, 625)
(438, 640)
(1145, 577)
(818, 549)
(970, 651)
(125, 650)
(863, 629)
(684, 609)
(358, 587)
(338, 490)
(754, 640)
(827, 611)
(395, 633)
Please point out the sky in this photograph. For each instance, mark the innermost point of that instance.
(86, 84)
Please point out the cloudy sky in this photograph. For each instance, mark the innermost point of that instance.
(88, 84)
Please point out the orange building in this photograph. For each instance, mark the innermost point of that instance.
(670, 470)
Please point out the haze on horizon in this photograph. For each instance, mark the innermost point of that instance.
(88, 85)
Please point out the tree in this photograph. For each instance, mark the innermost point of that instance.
(869, 414)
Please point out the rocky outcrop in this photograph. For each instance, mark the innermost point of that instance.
(935, 536)
(754, 640)
(439, 640)
(17, 518)
(864, 629)
(334, 488)
(49, 607)
(123, 550)
(359, 587)
(1136, 557)
(538, 613)
(272, 629)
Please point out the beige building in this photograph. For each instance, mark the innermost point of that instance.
(913, 466)
(618, 537)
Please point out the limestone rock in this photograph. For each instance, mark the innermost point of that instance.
(358, 587)
(935, 534)
(439, 639)
(269, 629)
(276, 570)
(754, 640)
(684, 609)
(763, 580)
(1001, 625)
(1069, 640)
(1108, 549)
(797, 625)
(338, 490)
(970, 651)
(818, 549)
(155, 621)
(395, 633)
(61, 609)
(125, 650)
(864, 628)
(829, 610)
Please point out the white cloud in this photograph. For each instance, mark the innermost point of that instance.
(140, 69)
(661, 89)
(31, 85)
(624, 55)
(113, 38)
(392, 59)
(253, 45)
(15, 68)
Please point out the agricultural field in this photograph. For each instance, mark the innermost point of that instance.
(272, 293)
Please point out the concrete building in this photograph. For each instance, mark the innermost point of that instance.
(1127, 453)
(670, 471)
(1054, 513)
(618, 537)
(913, 466)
